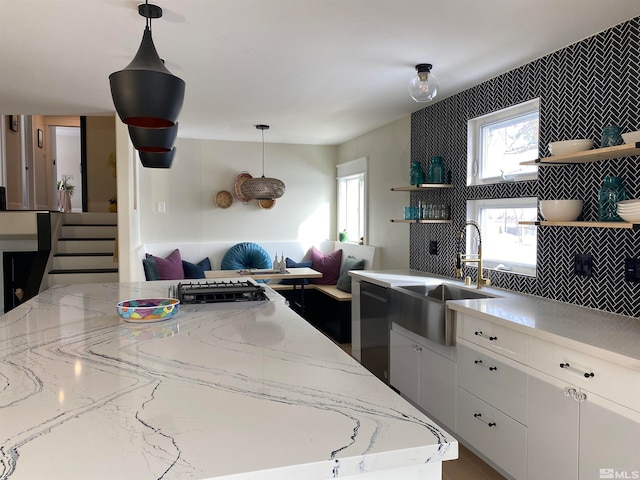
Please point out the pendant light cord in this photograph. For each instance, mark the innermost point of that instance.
(262, 153)
(149, 17)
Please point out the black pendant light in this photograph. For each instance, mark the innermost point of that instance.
(153, 139)
(145, 93)
(157, 159)
(262, 188)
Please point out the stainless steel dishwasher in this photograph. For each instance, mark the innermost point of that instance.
(374, 330)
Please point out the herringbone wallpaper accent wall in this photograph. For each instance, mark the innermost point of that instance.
(582, 88)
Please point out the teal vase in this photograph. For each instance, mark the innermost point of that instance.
(610, 194)
(611, 136)
(416, 174)
(436, 171)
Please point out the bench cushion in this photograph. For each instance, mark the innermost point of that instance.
(333, 292)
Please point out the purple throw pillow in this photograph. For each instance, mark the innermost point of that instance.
(328, 265)
(169, 268)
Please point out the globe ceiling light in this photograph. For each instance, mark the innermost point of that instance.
(262, 188)
(424, 86)
(145, 93)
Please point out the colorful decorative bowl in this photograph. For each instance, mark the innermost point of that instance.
(142, 310)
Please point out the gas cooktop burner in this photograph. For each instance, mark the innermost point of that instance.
(218, 291)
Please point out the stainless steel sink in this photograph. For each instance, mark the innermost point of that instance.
(445, 292)
(422, 309)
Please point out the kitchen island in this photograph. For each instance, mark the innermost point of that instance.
(221, 391)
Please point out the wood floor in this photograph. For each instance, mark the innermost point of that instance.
(467, 467)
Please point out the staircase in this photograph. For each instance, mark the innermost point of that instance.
(85, 249)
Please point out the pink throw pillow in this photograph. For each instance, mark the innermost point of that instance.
(169, 268)
(328, 265)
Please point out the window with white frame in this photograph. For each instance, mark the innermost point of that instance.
(499, 141)
(506, 245)
(352, 210)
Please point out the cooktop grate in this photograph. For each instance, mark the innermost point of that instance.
(218, 291)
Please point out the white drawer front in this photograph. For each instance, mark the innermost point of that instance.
(502, 340)
(611, 381)
(499, 381)
(496, 435)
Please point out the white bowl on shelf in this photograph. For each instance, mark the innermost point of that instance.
(630, 217)
(566, 147)
(631, 137)
(628, 212)
(634, 202)
(561, 210)
(628, 206)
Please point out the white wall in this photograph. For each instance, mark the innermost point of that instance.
(388, 149)
(202, 168)
(305, 213)
(67, 157)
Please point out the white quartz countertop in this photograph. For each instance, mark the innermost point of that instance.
(225, 391)
(609, 336)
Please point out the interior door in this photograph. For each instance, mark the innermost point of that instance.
(16, 168)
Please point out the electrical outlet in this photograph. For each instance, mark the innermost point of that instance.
(433, 247)
(632, 270)
(583, 265)
(162, 207)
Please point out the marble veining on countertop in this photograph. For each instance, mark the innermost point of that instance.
(607, 335)
(220, 391)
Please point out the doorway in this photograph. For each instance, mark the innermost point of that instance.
(66, 156)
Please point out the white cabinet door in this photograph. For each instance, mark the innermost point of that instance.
(496, 435)
(404, 365)
(438, 387)
(609, 435)
(552, 433)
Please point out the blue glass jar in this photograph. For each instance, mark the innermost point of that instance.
(437, 173)
(610, 194)
(611, 136)
(416, 174)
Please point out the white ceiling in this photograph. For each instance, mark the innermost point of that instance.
(317, 71)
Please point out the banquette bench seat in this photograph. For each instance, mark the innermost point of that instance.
(327, 306)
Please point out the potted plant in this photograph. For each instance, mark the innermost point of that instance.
(64, 185)
(65, 191)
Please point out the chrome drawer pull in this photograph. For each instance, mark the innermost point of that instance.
(484, 335)
(479, 362)
(479, 417)
(567, 366)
